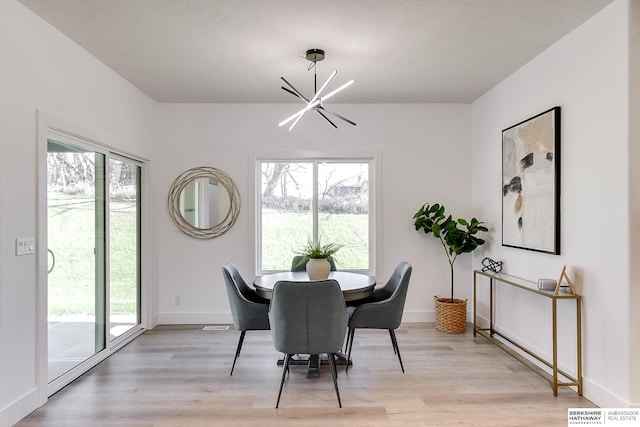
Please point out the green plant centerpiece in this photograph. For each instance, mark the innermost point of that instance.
(317, 258)
(317, 251)
(457, 237)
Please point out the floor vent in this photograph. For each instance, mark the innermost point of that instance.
(216, 328)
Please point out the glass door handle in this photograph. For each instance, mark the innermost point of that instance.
(53, 261)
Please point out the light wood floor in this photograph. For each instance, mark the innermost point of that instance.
(179, 376)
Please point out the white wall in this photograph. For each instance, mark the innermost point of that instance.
(585, 73)
(41, 69)
(418, 144)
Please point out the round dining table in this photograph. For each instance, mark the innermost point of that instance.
(354, 286)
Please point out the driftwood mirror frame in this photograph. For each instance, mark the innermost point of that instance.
(174, 202)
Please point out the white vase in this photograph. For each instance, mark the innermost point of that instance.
(318, 269)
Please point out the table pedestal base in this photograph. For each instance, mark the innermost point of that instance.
(314, 361)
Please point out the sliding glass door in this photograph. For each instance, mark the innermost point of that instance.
(76, 245)
(94, 258)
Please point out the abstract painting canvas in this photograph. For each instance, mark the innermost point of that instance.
(531, 183)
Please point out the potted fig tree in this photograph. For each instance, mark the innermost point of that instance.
(457, 237)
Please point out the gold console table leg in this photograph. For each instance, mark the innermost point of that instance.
(579, 344)
(554, 308)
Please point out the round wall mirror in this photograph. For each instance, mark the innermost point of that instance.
(204, 202)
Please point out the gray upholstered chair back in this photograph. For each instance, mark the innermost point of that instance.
(247, 308)
(297, 265)
(307, 317)
(385, 313)
(244, 289)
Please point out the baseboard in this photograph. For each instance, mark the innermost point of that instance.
(602, 397)
(14, 412)
(203, 318)
(429, 316)
(418, 316)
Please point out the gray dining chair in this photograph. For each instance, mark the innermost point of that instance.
(383, 309)
(250, 311)
(297, 265)
(308, 318)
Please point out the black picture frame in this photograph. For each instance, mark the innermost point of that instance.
(531, 183)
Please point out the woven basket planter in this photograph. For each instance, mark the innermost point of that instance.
(451, 317)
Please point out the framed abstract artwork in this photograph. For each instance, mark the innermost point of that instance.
(531, 183)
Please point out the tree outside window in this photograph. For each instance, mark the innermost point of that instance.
(325, 200)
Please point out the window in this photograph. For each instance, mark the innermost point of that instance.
(325, 200)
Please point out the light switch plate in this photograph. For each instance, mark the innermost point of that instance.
(25, 246)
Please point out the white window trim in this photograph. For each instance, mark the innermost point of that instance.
(375, 194)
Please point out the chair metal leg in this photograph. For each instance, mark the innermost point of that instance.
(285, 369)
(238, 350)
(334, 366)
(350, 336)
(334, 375)
(393, 343)
(396, 349)
(345, 346)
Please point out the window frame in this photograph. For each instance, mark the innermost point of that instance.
(372, 158)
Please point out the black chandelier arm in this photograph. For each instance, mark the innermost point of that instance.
(293, 93)
(327, 118)
(294, 90)
(339, 116)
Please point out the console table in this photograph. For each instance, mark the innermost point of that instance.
(490, 333)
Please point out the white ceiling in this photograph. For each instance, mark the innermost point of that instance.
(235, 51)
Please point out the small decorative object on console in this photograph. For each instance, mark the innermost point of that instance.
(564, 276)
(490, 265)
(547, 284)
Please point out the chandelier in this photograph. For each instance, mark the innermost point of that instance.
(316, 103)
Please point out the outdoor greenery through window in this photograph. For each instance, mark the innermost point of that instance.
(314, 200)
(124, 246)
(76, 228)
